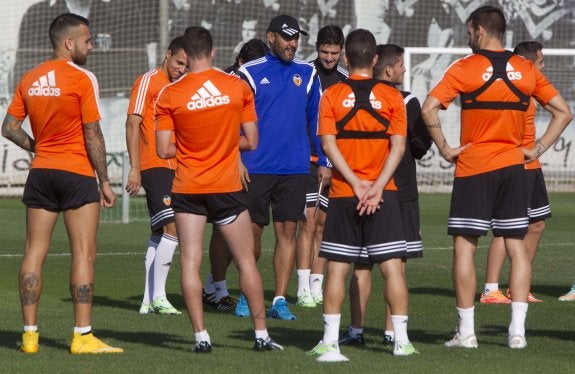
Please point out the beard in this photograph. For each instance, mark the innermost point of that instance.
(79, 58)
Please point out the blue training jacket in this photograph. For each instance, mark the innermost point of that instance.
(287, 97)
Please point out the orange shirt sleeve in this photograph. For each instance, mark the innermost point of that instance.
(249, 110)
(450, 86)
(18, 108)
(89, 99)
(398, 117)
(327, 123)
(544, 90)
(163, 112)
(138, 97)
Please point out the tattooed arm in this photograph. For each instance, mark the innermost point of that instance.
(430, 115)
(96, 149)
(560, 117)
(13, 131)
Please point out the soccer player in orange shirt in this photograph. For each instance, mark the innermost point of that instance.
(539, 209)
(61, 100)
(155, 175)
(363, 127)
(489, 189)
(207, 186)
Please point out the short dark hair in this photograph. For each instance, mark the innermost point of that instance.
(360, 48)
(198, 42)
(61, 25)
(330, 34)
(176, 44)
(387, 55)
(490, 18)
(528, 49)
(252, 49)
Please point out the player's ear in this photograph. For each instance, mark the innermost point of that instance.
(374, 61)
(213, 53)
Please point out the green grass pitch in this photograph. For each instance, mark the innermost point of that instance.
(162, 344)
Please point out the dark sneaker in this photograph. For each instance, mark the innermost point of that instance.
(203, 347)
(208, 299)
(352, 340)
(387, 340)
(225, 304)
(266, 345)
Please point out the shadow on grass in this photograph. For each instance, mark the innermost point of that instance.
(132, 303)
(434, 291)
(550, 290)
(13, 339)
(153, 339)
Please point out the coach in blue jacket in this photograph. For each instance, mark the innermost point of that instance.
(287, 94)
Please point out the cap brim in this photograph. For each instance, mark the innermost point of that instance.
(288, 36)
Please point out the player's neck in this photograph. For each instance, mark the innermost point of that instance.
(491, 44)
(199, 65)
(61, 55)
(364, 72)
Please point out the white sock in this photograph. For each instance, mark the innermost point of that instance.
(390, 333)
(466, 321)
(518, 314)
(148, 263)
(303, 281)
(209, 285)
(30, 328)
(203, 336)
(262, 334)
(164, 254)
(489, 287)
(331, 328)
(276, 299)
(221, 289)
(354, 331)
(316, 284)
(400, 329)
(82, 330)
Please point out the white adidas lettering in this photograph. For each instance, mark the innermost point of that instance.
(350, 101)
(510, 72)
(207, 96)
(45, 86)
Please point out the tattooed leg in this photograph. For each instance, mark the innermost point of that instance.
(82, 293)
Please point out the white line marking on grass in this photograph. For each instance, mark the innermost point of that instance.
(9, 255)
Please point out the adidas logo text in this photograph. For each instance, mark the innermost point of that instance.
(45, 86)
(510, 72)
(208, 96)
(350, 101)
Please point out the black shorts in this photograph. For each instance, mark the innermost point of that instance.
(495, 200)
(410, 217)
(285, 194)
(220, 208)
(59, 190)
(157, 183)
(365, 239)
(537, 199)
(312, 188)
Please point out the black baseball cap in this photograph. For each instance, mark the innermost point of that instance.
(286, 25)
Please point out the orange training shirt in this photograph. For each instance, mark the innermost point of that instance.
(142, 101)
(530, 134)
(59, 97)
(365, 157)
(205, 111)
(495, 135)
